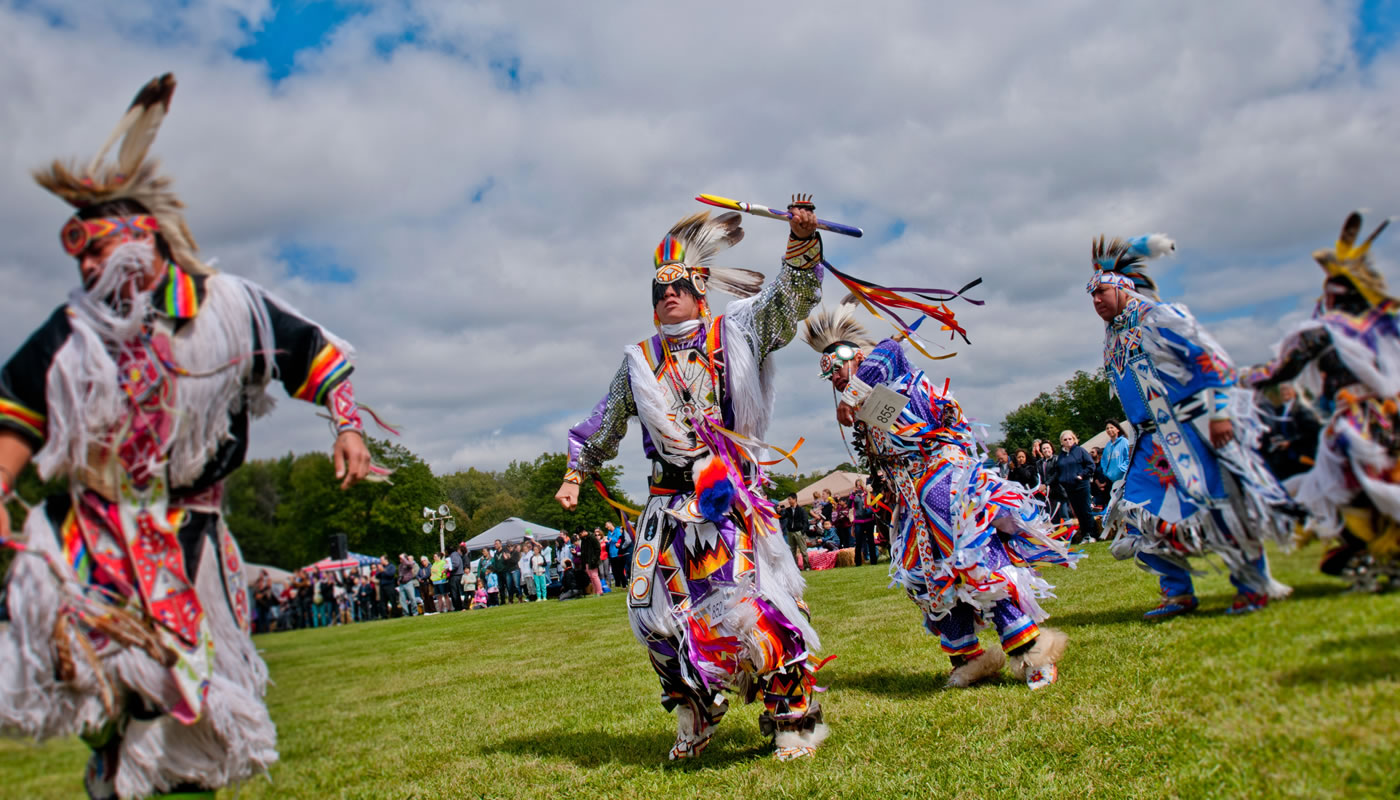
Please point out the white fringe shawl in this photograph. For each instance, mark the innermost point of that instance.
(215, 348)
(234, 738)
(749, 386)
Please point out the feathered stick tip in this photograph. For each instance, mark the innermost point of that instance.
(1152, 245)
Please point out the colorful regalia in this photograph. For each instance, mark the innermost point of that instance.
(714, 594)
(1347, 359)
(966, 543)
(1183, 496)
(129, 614)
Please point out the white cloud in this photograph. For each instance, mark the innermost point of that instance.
(1002, 143)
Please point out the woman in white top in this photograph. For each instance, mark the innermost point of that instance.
(527, 570)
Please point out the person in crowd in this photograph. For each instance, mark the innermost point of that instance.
(571, 582)
(619, 545)
(1114, 460)
(841, 512)
(1100, 487)
(263, 602)
(540, 572)
(1024, 472)
(365, 606)
(480, 597)
(826, 539)
(590, 553)
(1002, 463)
(499, 567)
(493, 583)
(1050, 483)
(471, 575)
(408, 585)
(344, 599)
(457, 575)
(604, 561)
(1290, 444)
(306, 600)
(862, 524)
(1073, 470)
(325, 599)
(792, 517)
(525, 564)
(426, 595)
(510, 574)
(387, 580)
(442, 588)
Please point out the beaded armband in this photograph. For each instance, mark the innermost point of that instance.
(856, 392)
(345, 413)
(803, 253)
(573, 476)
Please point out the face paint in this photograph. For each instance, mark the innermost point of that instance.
(79, 234)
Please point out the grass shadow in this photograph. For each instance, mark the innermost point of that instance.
(892, 683)
(1369, 657)
(597, 748)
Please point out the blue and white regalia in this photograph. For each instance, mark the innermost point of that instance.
(1184, 496)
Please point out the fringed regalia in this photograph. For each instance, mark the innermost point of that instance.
(966, 543)
(714, 593)
(1182, 496)
(1346, 358)
(129, 614)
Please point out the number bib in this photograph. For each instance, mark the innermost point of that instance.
(882, 408)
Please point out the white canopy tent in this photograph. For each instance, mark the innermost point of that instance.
(514, 529)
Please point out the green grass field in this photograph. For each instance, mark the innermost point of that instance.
(557, 700)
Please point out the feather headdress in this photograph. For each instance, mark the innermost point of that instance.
(688, 250)
(835, 334)
(1119, 262)
(1352, 261)
(132, 176)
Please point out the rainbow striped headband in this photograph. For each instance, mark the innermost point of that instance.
(78, 234)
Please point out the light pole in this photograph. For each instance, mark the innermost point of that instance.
(444, 521)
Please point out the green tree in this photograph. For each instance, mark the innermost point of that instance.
(1080, 404)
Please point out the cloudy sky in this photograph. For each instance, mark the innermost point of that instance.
(471, 192)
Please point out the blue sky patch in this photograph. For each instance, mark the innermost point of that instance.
(294, 27)
(1378, 25)
(314, 264)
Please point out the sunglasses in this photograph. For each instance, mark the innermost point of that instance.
(840, 355)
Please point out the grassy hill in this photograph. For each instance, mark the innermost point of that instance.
(557, 701)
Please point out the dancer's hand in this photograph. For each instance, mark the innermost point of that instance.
(567, 495)
(846, 414)
(351, 458)
(1221, 432)
(803, 223)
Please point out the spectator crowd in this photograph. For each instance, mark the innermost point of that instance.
(569, 566)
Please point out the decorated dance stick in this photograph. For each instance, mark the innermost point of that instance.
(773, 213)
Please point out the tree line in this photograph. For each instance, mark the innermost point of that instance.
(1081, 404)
(284, 510)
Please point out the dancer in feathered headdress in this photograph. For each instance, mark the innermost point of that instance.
(1195, 484)
(967, 542)
(713, 592)
(128, 607)
(1347, 359)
